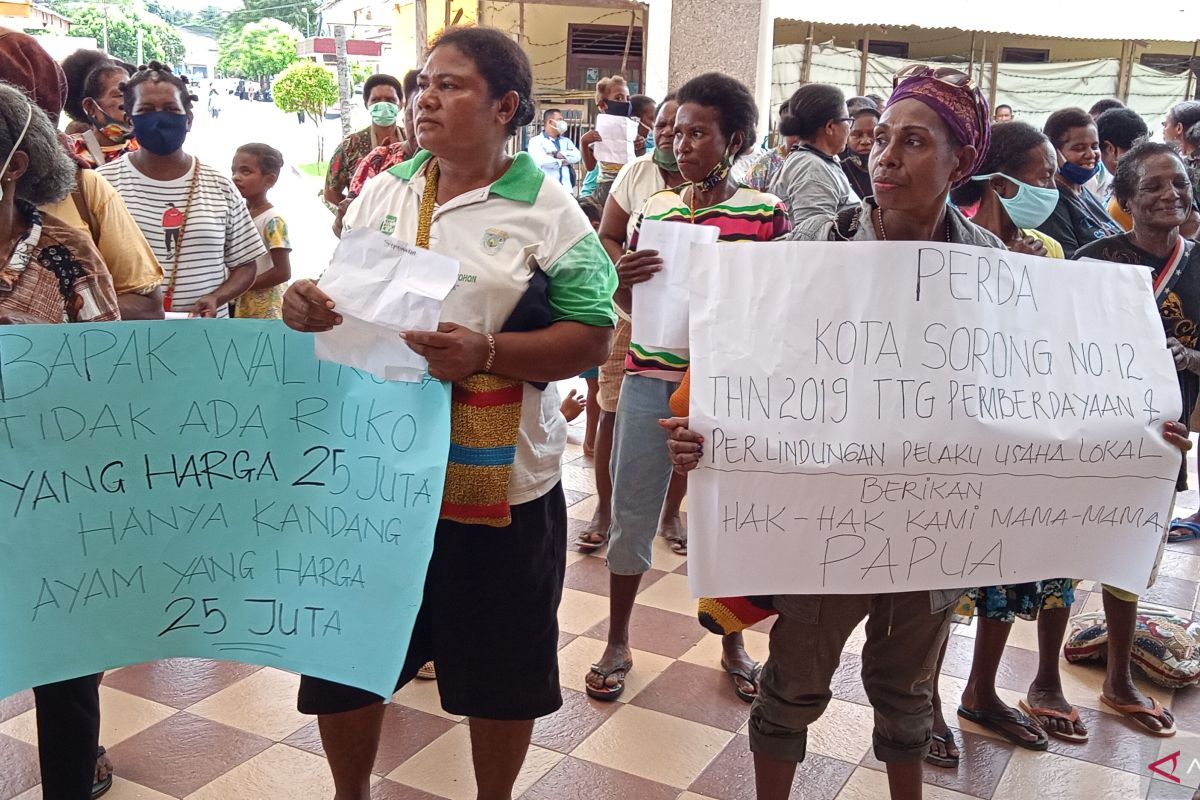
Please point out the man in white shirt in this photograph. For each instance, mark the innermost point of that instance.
(553, 152)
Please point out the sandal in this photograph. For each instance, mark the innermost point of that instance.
(750, 676)
(1191, 531)
(1072, 716)
(678, 546)
(946, 762)
(584, 544)
(101, 787)
(994, 721)
(1131, 711)
(427, 672)
(609, 693)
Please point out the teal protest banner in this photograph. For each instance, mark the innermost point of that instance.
(209, 488)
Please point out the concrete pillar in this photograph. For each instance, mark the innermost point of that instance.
(690, 37)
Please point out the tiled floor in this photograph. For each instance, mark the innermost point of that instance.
(222, 731)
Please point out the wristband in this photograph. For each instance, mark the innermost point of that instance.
(491, 359)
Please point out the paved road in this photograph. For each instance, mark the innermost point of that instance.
(296, 195)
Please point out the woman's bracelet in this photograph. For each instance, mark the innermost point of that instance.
(491, 359)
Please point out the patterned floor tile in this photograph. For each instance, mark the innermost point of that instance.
(15, 705)
(405, 733)
(179, 682)
(574, 722)
(580, 612)
(699, 694)
(20, 767)
(980, 768)
(184, 753)
(636, 741)
(670, 593)
(444, 767)
(583, 780)
(576, 659)
(280, 772)
(657, 631)
(263, 703)
(1052, 777)
(731, 775)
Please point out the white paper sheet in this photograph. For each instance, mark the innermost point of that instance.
(897, 416)
(383, 286)
(660, 305)
(616, 139)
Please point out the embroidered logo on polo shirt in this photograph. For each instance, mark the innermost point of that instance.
(388, 226)
(493, 240)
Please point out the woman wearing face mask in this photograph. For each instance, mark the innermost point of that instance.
(1014, 189)
(636, 183)
(1152, 185)
(1079, 218)
(811, 180)
(94, 99)
(714, 124)
(52, 274)
(191, 214)
(382, 95)
(612, 97)
(854, 160)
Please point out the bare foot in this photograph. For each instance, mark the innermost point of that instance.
(1052, 697)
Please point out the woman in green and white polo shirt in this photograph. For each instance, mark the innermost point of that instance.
(492, 593)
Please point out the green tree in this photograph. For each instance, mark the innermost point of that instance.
(159, 40)
(306, 88)
(261, 50)
(300, 14)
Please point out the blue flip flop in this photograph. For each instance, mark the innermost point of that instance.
(1192, 531)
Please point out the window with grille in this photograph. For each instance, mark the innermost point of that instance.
(1024, 55)
(597, 51)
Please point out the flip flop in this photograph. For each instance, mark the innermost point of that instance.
(427, 672)
(994, 722)
(678, 546)
(946, 762)
(1192, 528)
(1053, 713)
(609, 693)
(750, 676)
(585, 546)
(100, 788)
(1131, 710)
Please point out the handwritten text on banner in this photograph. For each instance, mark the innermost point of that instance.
(885, 417)
(208, 488)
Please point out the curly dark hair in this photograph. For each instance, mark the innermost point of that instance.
(1061, 121)
(86, 71)
(1102, 106)
(1122, 127)
(810, 108)
(733, 101)
(156, 72)
(1007, 153)
(1129, 168)
(380, 79)
(501, 62)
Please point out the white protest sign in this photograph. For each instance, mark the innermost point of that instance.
(660, 305)
(616, 139)
(895, 416)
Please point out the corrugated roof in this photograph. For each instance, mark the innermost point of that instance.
(1152, 20)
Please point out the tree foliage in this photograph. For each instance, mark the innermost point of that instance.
(300, 14)
(260, 50)
(159, 39)
(307, 87)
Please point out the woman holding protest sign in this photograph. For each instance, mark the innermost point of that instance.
(1152, 186)
(52, 274)
(534, 304)
(714, 124)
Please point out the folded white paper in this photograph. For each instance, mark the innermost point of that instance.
(383, 286)
(660, 305)
(616, 139)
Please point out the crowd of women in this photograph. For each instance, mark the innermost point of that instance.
(119, 222)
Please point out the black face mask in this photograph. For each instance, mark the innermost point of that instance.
(619, 108)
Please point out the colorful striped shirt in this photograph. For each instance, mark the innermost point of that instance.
(748, 216)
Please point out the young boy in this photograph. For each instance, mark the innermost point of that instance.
(255, 170)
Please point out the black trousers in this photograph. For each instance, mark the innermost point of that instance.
(68, 719)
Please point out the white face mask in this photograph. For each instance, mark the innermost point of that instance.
(561, 126)
(13, 152)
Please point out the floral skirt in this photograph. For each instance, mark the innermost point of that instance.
(1024, 600)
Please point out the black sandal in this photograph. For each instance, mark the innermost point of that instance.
(945, 762)
(750, 676)
(100, 788)
(994, 721)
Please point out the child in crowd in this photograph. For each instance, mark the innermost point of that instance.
(255, 170)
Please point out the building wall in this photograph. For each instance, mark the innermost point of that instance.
(926, 43)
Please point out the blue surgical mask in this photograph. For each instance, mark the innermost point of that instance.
(1030, 206)
(1078, 175)
(160, 132)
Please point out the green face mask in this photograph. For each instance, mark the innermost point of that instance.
(665, 160)
(384, 114)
